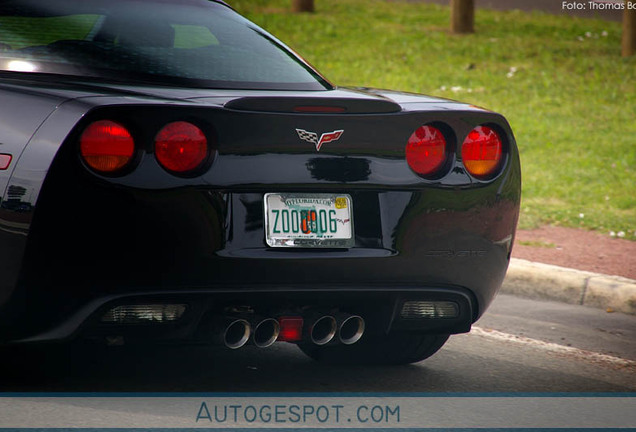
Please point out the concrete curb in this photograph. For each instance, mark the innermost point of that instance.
(550, 282)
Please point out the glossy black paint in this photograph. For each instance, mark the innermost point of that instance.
(74, 244)
(80, 240)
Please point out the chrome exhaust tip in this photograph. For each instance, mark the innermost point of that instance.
(266, 332)
(236, 333)
(350, 329)
(323, 330)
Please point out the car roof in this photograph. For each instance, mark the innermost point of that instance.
(20, 7)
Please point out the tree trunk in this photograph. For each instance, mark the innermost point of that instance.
(462, 16)
(302, 5)
(629, 30)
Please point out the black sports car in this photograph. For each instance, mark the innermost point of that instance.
(170, 172)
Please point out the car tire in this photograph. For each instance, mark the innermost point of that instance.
(391, 349)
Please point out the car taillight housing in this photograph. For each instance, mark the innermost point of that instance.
(106, 146)
(482, 152)
(426, 151)
(181, 147)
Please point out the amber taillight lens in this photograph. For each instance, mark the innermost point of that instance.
(482, 152)
(106, 146)
(181, 147)
(426, 151)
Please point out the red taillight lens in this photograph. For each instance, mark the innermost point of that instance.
(5, 161)
(426, 151)
(106, 146)
(291, 329)
(181, 147)
(481, 152)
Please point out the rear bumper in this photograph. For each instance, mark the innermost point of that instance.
(95, 240)
(379, 307)
(126, 243)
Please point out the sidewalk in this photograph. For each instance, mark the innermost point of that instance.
(549, 282)
(576, 266)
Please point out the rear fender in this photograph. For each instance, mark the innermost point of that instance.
(32, 129)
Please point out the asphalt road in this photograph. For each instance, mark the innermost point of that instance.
(519, 346)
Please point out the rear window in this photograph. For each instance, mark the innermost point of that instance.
(192, 42)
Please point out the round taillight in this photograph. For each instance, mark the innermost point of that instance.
(106, 146)
(181, 147)
(481, 152)
(426, 151)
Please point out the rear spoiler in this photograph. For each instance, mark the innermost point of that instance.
(314, 105)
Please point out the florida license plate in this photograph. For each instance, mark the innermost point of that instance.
(308, 220)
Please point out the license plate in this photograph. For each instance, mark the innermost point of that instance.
(308, 220)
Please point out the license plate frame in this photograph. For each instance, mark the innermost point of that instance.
(329, 209)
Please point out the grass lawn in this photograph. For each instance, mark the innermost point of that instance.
(560, 81)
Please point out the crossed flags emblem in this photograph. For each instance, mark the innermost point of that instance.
(312, 137)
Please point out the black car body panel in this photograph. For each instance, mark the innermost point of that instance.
(74, 243)
(165, 233)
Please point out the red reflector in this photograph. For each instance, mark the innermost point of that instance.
(106, 146)
(319, 109)
(481, 152)
(5, 161)
(181, 147)
(426, 150)
(291, 329)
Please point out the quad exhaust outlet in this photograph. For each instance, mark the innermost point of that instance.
(266, 332)
(235, 332)
(322, 329)
(350, 329)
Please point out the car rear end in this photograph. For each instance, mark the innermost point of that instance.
(149, 251)
(196, 181)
